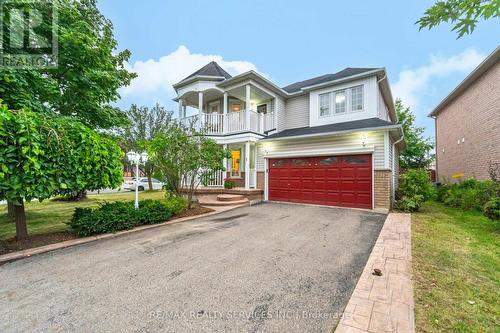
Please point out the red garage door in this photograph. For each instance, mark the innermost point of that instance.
(327, 180)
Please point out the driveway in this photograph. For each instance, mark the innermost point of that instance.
(269, 267)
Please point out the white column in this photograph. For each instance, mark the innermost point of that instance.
(200, 102)
(224, 161)
(255, 164)
(247, 165)
(181, 106)
(225, 116)
(247, 107)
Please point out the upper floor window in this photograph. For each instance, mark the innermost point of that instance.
(357, 98)
(324, 105)
(340, 101)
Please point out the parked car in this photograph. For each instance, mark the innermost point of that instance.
(143, 184)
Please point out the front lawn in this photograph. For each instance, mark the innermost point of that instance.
(456, 270)
(49, 216)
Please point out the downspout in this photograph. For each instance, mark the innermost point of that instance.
(394, 165)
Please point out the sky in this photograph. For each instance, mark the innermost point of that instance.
(289, 41)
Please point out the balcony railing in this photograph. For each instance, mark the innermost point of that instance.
(232, 122)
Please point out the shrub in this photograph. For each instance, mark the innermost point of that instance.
(229, 183)
(410, 203)
(416, 182)
(468, 194)
(176, 204)
(119, 215)
(414, 189)
(491, 209)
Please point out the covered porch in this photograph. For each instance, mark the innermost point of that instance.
(245, 108)
(241, 167)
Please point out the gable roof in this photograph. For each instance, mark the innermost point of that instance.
(297, 86)
(484, 66)
(211, 69)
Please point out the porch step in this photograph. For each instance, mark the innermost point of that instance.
(230, 197)
(211, 200)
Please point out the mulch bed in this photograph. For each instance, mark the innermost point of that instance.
(11, 245)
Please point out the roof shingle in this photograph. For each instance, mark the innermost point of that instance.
(331, 128)
(210, 69)
(297, 86)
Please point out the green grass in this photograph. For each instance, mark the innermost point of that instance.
(50, 215)
(456, 270)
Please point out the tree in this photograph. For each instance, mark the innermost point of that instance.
(88, 75)
(42, 155)
(144, 125)
(186, 158)
(417, 151)
(464, 14)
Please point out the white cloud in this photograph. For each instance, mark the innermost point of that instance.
(413, 83)
(155, 77)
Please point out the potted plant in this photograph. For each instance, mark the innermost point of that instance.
(229, 183)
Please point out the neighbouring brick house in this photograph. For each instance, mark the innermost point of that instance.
(329, 140)
(468, 124)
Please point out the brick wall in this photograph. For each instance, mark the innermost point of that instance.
(468, 130)
(382, 188)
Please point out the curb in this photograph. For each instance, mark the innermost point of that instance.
(13, 256)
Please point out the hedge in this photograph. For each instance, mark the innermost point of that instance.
(122, 215)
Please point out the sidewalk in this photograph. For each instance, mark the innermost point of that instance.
(384, 303)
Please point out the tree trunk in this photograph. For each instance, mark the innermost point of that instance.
(11, 211)
(150, 182)
(21, 227)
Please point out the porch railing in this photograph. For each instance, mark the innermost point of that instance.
(214, 178)
(232, 122)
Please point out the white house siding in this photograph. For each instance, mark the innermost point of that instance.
(281, 116)
(297, 112)
(345, 142)
(382, 111)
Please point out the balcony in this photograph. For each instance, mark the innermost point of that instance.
(231, 123)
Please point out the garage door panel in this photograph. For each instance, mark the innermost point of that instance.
(332, 180)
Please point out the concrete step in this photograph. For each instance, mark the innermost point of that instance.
(230, 197)
(212, 201)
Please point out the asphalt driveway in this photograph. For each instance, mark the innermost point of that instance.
(269, 267)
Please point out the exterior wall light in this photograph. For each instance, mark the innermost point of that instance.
(364, 139)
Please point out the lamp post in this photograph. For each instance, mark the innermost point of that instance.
(136, 158)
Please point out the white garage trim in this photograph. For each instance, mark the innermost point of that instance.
(322, 152)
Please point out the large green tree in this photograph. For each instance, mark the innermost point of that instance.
(186, 158)
(42, 155)
(418, 148)
(88, 75)
(144, 125)
(463, 14)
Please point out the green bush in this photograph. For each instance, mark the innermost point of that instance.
(410, 203)
(470, 194)
(416, 182)
(414, 189)
(229, 183)
(491, 209)
(176, 204)
(119, 215)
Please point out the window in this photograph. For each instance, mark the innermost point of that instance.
(300, 162)
(262, 109)
(236, 107)
(328, 161)
(340, 101)
(214, 108)
(357, 98)
(324, 105)
(279, 163)
(355, 160)
(235, 162)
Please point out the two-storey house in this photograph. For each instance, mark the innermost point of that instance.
(330, 140)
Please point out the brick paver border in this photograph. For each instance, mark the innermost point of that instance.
(384, 303)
